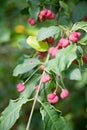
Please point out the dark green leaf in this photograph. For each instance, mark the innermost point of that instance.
(51, 118)
(79, 11)
(64, 6)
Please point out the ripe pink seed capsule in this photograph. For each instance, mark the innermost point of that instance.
(31, 21)
(52, 98)
(52, 16)
(45, 78)
(37, 86)
(64, 93)
(74, 36)
(49, 13)
(20, 87)
(63, 43)
(43, 12)
(53, 51)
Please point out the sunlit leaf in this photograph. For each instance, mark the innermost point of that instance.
(39, 46)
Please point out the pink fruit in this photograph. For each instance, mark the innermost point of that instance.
(31, 21)
(52, 98)
(49, 13)
(64, 93)
(43, 12)
(45, 78)
(74, 36)
(46, 14)
(37, 86)
(63, 43)
(52, 16)
(53, 51)
(20, 87)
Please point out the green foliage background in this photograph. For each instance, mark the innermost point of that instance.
(13, 50)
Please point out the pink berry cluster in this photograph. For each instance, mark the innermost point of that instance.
(64, 42)
(46, 14)
(53, 98)
(43, 16)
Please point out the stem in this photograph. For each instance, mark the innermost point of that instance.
(35, 99)
(31, 75)
(62, 82)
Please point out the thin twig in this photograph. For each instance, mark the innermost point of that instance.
(35, 99)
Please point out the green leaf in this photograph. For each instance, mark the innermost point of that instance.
(23, 44)
(30, 87)
(52, 66)
(65, 57)
(26, 66)
(47, 32)
(39, 46)
(11, 113)
(64, 6)
(83, 40)
(73, 73)
(34, 11)
(79, 11)
(51, 118)
(80, 26)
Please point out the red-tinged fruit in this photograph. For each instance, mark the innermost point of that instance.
(85, 17)
(63, 43)
(46, 14)
(52, 98)
(36, 87)
(74, 36)
(84, 58)
(31, 21)
(20, 87)
(64, 93)
(53, 51)
(45, 78)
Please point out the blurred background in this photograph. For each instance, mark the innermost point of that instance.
(14, 29)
